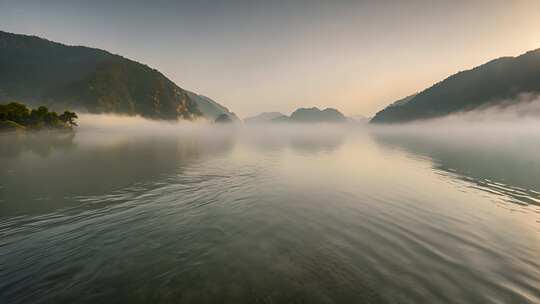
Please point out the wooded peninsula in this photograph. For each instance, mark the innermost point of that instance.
(17, 116)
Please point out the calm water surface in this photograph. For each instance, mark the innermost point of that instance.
(268, 215)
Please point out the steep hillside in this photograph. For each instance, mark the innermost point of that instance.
(38, 71)
(209, 108)
(498, 81)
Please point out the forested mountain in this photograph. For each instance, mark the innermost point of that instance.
(498, 81)
(38, 71)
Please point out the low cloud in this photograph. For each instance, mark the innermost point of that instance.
(507, 118)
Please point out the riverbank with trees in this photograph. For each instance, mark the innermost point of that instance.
(17, 116)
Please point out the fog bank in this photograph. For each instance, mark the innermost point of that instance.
(515, 117)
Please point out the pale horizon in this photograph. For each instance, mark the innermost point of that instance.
(265, 57)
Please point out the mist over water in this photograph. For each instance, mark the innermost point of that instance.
(512, 117)
(134, 211)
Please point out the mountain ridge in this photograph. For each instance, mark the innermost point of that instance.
(315, 114)
(210, 108)
(264, 117)
(36, 70)
(492, 83)
(304, 115)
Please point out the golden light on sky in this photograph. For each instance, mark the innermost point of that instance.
(254, 56)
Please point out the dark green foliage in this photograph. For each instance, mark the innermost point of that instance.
(68, 118)
(14, 112)
(495, 82)
(35, 70)
(16, 115)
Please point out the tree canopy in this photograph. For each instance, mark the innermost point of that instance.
(17, 115)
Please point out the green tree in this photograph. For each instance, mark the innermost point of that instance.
(17, 112)
(3, 112)
(37, 117)
(69, 118)
(51, 120)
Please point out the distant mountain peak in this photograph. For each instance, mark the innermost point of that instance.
(314, 114)
(264, 117)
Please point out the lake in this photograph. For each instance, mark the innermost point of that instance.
(165, 213)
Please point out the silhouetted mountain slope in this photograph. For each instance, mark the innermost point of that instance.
(35, 70)
(497, 81)
(264, 117)
(316, 115)
(402, 101)
(312, 115)
(209, 108)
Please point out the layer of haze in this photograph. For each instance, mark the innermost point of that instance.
(508, 119)
(255, 56)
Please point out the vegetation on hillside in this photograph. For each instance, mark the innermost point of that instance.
(497, 82)
(37, 71)
(15, 116)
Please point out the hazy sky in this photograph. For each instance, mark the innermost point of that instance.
(255, 56)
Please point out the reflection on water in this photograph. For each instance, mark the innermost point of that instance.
(509, 167)
(47, 171)
(266, 214)
(42, 144)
